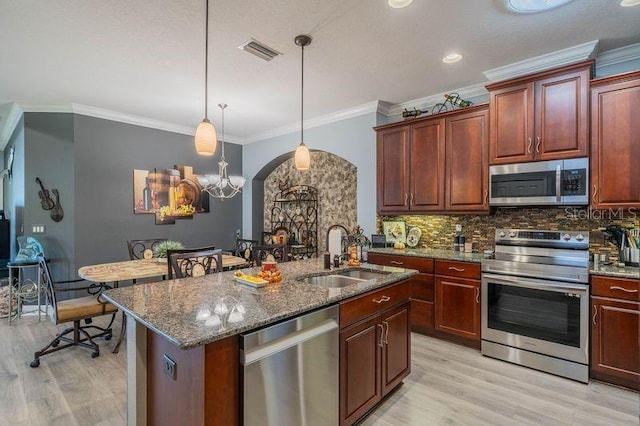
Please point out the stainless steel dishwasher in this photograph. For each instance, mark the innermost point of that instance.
(290, 372)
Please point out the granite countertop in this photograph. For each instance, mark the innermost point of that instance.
(632, 272)
(434, 254)
(195, 311)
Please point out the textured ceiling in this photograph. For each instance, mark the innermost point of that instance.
(146, 58)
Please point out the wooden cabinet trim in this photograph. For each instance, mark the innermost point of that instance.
(589, 64)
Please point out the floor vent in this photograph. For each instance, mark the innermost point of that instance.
(259, 49)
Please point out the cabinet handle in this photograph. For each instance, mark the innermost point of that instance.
(478, 295)
(453, 268)
(395, 262)
(615, 287)
(381, 342)
(406, 198)
(411, 199)
(382, 299)
(486, 197)
(595, 191)
(529, 146)
(595, 314)
(386, 333)
(538, 144)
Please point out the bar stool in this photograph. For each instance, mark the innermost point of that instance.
(25, 288)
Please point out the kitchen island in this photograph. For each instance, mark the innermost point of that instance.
(196, 322)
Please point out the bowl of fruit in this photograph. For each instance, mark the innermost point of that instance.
(270, 272)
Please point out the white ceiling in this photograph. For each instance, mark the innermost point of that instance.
(146, 58)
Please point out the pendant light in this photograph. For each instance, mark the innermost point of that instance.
(302, 157)
(206, 138)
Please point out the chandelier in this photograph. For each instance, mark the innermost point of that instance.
(222, 185)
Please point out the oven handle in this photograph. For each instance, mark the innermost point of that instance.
(535, 284)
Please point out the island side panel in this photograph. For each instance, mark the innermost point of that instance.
(174, 401)
(222, 385)
(136, 373)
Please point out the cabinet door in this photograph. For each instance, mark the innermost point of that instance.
(360, 366)
(615, 145)
(393, 169)
(512, 124)
(615, 346)
(427, 166)
(467, 187)
(422, 290)
(458, 306)
(562, 114)
(396, 352)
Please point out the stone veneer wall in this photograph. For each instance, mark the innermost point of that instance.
(438, 230)
(335, 179)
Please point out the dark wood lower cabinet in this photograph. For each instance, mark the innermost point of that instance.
(458, 307)
(360, 358)
(396, 350)
(615, 341)
(375, 356)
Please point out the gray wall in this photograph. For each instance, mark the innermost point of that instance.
(106, 152)
(13, 192)
(49, 155)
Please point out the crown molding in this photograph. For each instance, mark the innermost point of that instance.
(369, 107)
(428, 101)
(619, 55)
(10, 123)
(555, 59)
(65, 109)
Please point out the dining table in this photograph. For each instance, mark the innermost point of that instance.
(114, 272)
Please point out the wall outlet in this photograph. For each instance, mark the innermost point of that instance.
(170, 367)
(237, 233)
(38, 229)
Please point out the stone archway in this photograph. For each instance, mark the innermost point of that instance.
(333, 176)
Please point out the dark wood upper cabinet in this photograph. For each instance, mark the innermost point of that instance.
(393, 155)
(467, 187)
(615, 142)
(543, 116)
(412, 163)
(427, 166)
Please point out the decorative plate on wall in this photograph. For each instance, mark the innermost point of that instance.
(413, 236)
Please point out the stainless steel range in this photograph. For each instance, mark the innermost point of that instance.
(535, 301)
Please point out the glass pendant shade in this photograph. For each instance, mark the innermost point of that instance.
(302, 157)
(206, 139)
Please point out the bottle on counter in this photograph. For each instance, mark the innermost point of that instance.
(327, 260)
(456, 239)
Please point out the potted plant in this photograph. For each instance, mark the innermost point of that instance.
(160, 249)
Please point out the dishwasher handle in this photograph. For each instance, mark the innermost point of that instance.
(263, 351)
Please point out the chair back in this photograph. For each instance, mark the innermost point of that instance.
(142, 249)
(47, 284)
(194, 262)
(274, 252)
(267, 238)
(244, 248)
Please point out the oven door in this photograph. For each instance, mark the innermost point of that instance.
(547, 317)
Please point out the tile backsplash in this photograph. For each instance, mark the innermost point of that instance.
(438, 230)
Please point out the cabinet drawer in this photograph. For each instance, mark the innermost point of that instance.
(420, 263)
(422, 287)
(458, 269)
(618, 288)
(361, 307)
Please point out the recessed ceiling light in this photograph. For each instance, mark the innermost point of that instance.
(399, 4)
(629, 3)
(454, 57)
(532, 6)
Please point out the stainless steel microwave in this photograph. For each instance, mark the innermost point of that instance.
(540, 183)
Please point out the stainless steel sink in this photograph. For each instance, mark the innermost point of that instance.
(362, 274)
(344, 278)
(332, 281)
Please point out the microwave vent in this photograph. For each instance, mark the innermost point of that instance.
(259, 49)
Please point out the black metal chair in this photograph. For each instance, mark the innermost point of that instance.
(74, 310)
(244, 248)
(273, 252)
(267, 238)
(142, 249)
(194, 262)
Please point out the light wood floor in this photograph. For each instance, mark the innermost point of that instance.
(449, 385)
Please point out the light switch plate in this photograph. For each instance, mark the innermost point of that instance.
(38, 229)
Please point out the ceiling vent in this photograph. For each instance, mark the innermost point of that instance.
(259, 49)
